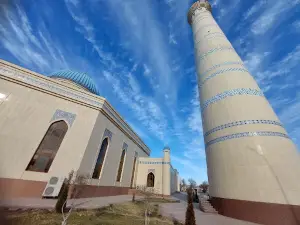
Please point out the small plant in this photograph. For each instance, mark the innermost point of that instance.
(73, 189)
(148, 193)
(190, 214)
(60, 205)
(176, 222)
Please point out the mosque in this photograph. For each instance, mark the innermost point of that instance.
(51, 125)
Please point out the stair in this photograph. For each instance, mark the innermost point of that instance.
(206, 207)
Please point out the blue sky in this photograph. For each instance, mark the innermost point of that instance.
(140, 54)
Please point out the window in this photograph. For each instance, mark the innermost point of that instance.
(45, 154)
(133, 170)
(100, 159)
(150, 180)
(121, 165)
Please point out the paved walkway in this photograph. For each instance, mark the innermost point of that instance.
(177, 211)
(83, 203)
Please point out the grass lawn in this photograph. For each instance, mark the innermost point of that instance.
(117, 214)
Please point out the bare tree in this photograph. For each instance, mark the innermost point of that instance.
(192, 183)
(76, 184)
(183, 184)
(204, 186)
(148, 193)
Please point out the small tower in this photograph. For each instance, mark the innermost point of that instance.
(166, 170)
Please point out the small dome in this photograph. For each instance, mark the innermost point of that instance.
(81, 79)
(166, 148)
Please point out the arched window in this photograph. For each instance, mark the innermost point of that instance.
(100, 159)
(45, 153)
(133, 171)
(150, 180)
(121, 165)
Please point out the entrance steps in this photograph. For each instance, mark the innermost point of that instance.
(206, 207)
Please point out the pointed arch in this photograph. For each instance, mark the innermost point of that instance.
(133, 170)
(120, 170)
(100, 159)
(47, 149)
(150, 180)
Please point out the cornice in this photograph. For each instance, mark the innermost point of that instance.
(42, 83)
(116, 117)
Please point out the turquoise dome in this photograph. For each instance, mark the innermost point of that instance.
(81, 79)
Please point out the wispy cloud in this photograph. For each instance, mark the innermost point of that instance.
(145, 39)
(16, 33)
(256, 8)
(145, 109)
(268, 19)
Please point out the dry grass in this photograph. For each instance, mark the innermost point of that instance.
(118, 214)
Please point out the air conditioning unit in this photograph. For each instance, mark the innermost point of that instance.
(53, 187)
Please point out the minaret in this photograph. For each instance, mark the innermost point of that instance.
(166, 172)
(253, 166)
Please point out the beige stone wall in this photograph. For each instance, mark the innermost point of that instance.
(27, 112)
(262, 166)
(174, 180)
(147, 165)
(166, 177)
(108, 175)
(25, 117)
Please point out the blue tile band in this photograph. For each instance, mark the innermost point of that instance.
(145, 162)
(234, 92)
(223, 48)
(246, 134)
(214, 33)
(221, 72)
(219, 65)
(240, 123)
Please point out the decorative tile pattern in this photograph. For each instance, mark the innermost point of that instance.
(159, 162)
(62, 115)
(223, 48)
(240, 123)
(230, 93)
(214, 33)
(221, 72)
(49, 87)
(107, 133)
(199, 18)
(216, 36)
(219, 65)
(125, 146)
(246, 134)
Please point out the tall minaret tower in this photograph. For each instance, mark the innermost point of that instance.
(253, 166)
